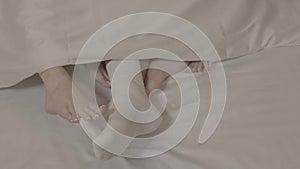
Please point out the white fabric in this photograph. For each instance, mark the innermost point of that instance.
(39, 34)
(259, 129)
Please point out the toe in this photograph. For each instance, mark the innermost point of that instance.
(90, 112)
(83, 114)
(74, 118)
(102, 80)
(94, 111)
(66, 115)
(105, 111)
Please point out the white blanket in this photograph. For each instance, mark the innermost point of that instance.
(39, 34)
(259, 129)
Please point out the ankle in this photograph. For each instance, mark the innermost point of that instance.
(54, 76)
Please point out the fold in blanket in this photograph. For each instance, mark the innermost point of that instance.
(39, 34)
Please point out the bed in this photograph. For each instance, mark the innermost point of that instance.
(258, 42)
(259, 128)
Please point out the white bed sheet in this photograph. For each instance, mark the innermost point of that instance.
(259, 129)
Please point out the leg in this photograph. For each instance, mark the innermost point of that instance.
(102, 76)
(126, 127)
(155, 77)
(58, 85)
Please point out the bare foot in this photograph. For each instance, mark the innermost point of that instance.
(102, 76)
(59, 99)
(155, 77)
(126, 127)
(109, 137)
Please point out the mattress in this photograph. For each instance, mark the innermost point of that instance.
(259, 128)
